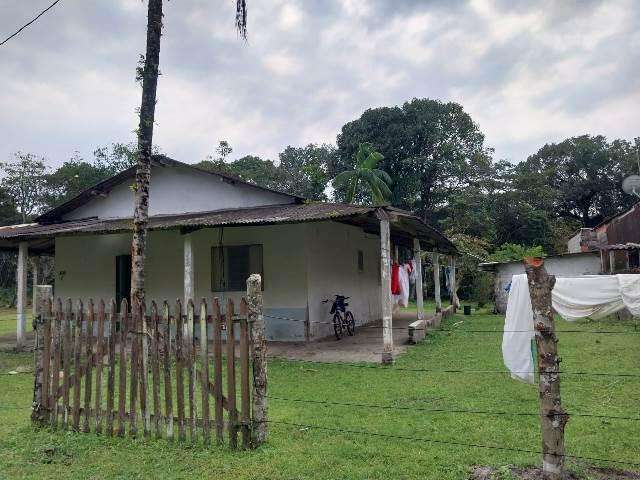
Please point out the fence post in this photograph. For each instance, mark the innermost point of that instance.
(39, 413)
(259, 357)
(552, 417)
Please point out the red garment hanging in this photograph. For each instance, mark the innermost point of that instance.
(395, 279)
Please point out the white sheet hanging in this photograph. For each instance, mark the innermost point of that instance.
(593, 296)
(402, 298)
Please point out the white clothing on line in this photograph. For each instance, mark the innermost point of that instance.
(594, 296)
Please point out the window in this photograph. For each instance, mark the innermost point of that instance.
(231, 266)
(360, 261)
(634, 259)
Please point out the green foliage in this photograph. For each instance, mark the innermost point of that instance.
(375, 181)
(23, 182)
(249, 168)
(301, 171)
(430, 150)
(578, 178)
(473, 284)
(513, 252)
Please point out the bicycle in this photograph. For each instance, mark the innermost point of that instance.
(342, 318)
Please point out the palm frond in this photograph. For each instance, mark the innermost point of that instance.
(372, 160)
(384, 176)
(351, 193)
(344, 177)
(241, 18)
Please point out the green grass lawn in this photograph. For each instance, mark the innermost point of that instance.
(305, 453)
(8, 321)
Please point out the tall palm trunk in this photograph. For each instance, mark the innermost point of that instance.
(145, 139)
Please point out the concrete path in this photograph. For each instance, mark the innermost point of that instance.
(364, 346)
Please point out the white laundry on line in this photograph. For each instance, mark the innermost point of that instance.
(594, 296)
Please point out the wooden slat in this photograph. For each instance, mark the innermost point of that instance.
(111, 379)
(217, 370)
(168, 390)
(143, 352)
(66, 352)
(133, 366)
(99, 358)
(46, 355)
(191, 365)
(204, 380)
(78, 368)
(155, 369)
(179, 366)
(231, 377)
(88, 383)
(245, 403)
(57, 352)
(122, 377)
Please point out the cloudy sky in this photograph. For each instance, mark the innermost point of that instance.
(528, 72)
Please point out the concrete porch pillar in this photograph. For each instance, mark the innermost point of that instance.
(35, 263)
(417, 258)
(385, 287)
(23, 259)
(436, 281)
(189, 281)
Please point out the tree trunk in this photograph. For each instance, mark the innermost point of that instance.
(145, 139)
(553, 417)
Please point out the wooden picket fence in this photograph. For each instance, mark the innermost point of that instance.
(110, 370)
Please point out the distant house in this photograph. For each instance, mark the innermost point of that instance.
(617, 239)
(565, 265)
(610, 247)
(209, 231)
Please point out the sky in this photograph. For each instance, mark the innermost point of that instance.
(528, 72)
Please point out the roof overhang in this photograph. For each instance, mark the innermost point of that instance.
(404, 226)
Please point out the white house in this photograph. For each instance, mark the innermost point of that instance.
(209, 231)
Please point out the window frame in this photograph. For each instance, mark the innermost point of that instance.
(226, 289)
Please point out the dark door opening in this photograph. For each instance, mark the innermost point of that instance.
(123, 278)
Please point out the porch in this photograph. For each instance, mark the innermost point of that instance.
(305, 252)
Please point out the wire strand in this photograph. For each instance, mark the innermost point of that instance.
(29, 23)
(445, 410)
(447, 442)
(427, 370)
(435, 330)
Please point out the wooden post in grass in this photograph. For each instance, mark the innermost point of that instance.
(259, 357)
(552, 417)
(42, 326)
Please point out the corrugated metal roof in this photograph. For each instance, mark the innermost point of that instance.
(287, 213)
(267, 215)
(621, 246)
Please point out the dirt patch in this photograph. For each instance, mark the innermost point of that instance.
(364, 346)
(8, 342)
(535, 473)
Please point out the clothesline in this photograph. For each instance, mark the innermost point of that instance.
(592, 296)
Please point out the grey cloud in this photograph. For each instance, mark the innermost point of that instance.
(68, 81)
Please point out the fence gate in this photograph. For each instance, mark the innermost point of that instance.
(170, 371)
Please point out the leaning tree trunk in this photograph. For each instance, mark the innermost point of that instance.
(553, 417)
(145, 139)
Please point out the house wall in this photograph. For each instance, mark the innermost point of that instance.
(561, 266)
(176, 190)
(303, 264)
(332, 259)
